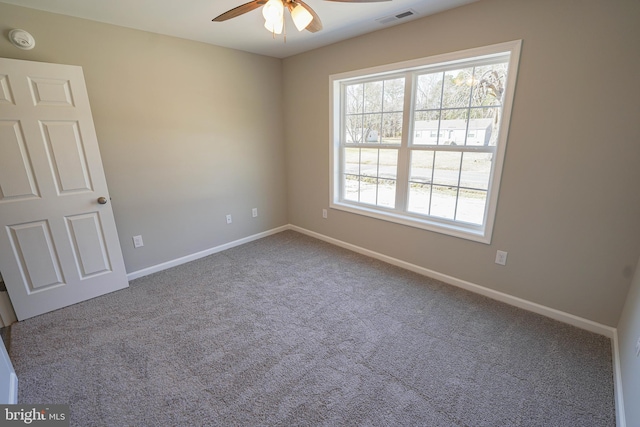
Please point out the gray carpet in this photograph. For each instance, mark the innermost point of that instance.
(291, 331)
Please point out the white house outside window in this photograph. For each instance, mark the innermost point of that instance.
(422, 142)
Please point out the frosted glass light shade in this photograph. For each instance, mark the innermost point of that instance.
(273, 13)
(301, 17)
(273, 10)
(274, 27)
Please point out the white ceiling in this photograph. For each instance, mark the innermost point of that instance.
(191, 19)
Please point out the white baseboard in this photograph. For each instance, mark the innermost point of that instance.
(552, 313)
(202, 254)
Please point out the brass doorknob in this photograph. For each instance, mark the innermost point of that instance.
(102, 200)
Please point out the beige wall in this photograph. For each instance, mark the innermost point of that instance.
(569, 205)
(188, 132)
(629, 335)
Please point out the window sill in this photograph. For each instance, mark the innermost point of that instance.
(471, 232)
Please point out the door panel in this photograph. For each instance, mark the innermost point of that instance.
(5, 92)
(16, 175)
(51, 92)
(58, 245)
(85, 232)
(36, 256)
(65, 150)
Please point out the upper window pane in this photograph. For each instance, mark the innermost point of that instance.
(484, 124)
(426, 128)
(373, 97)
(374, 112)
(489, 83)
(457, 88)
(372, 126)
(392, 128)
(353, 128)
(394, 95)
(429, 91)
(459, 107)
(354, 101)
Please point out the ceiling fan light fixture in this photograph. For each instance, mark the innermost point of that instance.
(274, 27)
(273, 12)
(301, 16)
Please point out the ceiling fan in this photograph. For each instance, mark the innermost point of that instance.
(304, 17)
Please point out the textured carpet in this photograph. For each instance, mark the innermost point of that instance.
(291, 331)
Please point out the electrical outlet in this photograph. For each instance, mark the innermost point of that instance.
(254, 212)
(137, 242)
(324, 213)
(638, 348)
(501, 257)
(229, 220)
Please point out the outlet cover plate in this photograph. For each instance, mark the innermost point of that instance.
(137, 241)
(501, 257)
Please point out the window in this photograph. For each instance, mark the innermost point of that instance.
(422, 142)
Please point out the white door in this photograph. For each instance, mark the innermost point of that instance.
(58, 243)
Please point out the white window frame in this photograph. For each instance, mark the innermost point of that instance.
(480, 233)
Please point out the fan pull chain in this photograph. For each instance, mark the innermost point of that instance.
(284, 31)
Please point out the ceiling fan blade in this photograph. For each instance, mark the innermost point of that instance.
(240, 10)
(316, 23)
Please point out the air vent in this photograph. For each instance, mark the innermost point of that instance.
(398, 16)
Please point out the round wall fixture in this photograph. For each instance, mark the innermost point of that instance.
(21, 39)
